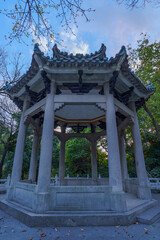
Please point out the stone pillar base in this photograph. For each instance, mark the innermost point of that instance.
(118, 201)
(41, 202)
(144, 192)
(10, 192)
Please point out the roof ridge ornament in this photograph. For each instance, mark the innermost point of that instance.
(37, 49)
(123, 51)
(101, 54)
(122, 57)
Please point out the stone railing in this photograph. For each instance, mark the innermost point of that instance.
(3, 187)
(154, 183)
(132, 182)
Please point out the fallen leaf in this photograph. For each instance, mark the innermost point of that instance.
(30, 238)
(24, 230)
(131, 236)
(146, 232)
(57, 237)
(43, 235)
(82, 230)
(135, 223)
(125, 231)
(117, 226)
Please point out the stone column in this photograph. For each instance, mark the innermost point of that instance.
(44, 174)
(144, 191)
(18, 157)
(62, 157)
(115, 177)
(94, 160)
(34, 157)
(123, 159)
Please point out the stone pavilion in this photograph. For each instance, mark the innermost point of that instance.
(78, 91)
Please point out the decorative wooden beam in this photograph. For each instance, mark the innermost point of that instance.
(89, 136)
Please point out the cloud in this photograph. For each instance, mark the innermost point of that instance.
(72, 43)
(44, 44)
(115, 25)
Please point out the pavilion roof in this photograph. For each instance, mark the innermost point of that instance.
(96, 60)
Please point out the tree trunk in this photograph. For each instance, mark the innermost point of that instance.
(153, 120)
(128, 147)
(3, 159)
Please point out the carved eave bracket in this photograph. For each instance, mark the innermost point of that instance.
(46, 81)
(18, 102)
(112, 81)
(80, 87)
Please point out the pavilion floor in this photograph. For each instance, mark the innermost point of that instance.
(78, 218)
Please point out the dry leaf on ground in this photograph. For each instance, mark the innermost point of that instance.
(43, 235)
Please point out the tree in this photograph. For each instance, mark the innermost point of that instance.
(145, 60)
(78, 156)
(31, 17)
(9, 116)
(11, 71)
(8, 129)
(139, 3)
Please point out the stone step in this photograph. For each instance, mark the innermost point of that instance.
(149, 216)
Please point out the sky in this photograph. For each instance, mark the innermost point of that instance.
(111, 24)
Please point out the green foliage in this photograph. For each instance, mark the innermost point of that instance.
(152, 159)
(102, 163)
(55, 156)
(27, 156)
(145, 60)
(78, 157)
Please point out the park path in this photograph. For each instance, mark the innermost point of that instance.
(12, 229)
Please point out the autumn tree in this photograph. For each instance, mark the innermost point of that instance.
(31, 17)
